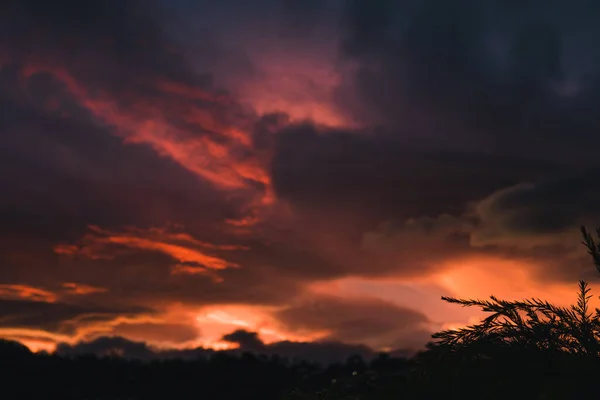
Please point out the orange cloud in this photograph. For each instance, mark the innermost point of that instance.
(207, 145)
(82, 289)
(25, 292)
(86, 326)
(183, 269)
(462, 277)
(192, 254)
(175, 327)
(35, 340)
(480, 277)
(243, 222)
(65, 249)
(165, 332)
(203, 132)
(217, 320)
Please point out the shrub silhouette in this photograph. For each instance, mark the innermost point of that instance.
(534, 322)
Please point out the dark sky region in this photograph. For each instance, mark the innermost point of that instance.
(290, 174)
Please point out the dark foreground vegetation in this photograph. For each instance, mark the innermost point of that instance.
(526, 349)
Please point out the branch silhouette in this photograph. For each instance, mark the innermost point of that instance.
(533, 322)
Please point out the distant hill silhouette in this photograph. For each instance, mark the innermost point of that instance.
(11, 350)
(316, 352)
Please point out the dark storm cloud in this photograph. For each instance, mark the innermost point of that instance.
(59, 318)
(173, 333)
(388, 243)
(359, 320)
(146, 277)
(450, 83)
(477, 74)
(550, 256)
(61, 168)
(380, 175)
(64, 168)
(60, 174)
(286, 19)
(539, 210)
(376, 189)
(114, 45)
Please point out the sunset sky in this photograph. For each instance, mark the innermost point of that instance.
(186, 172)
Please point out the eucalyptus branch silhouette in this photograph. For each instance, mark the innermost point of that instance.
(533, 322)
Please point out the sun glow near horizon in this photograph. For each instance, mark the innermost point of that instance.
(465, 278)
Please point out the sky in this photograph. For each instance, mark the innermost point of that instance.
(293, 175)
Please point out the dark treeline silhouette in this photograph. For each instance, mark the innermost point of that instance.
(317, 352)
(526, 349)
(214, 375)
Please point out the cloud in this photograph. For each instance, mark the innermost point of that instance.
(157, 332)
(134, 80)
(533, 226)
(539, 222)
(359, 320)
(490, 73)
(345, 177)
(542, 212)
(122, 35)
(58, 317)
(187, 251)
(146, 147)
(74, 173)
(421, 245)
(25, 292)
(81, 289)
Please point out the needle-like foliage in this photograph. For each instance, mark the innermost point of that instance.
(533, 323)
